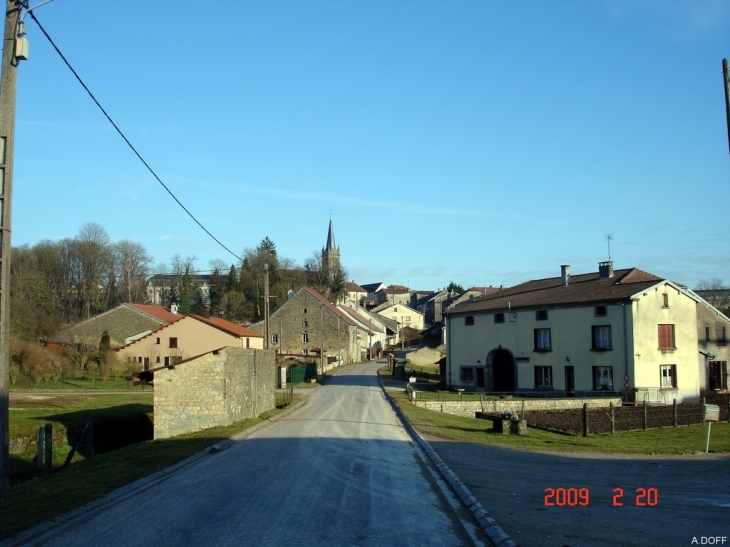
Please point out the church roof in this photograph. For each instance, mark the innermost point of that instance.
(331, 239)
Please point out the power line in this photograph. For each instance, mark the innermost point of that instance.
(121, 134)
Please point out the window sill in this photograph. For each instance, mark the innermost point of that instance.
(601, 349)
(667, 350)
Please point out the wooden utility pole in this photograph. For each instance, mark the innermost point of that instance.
(7, 136)
(726, 80)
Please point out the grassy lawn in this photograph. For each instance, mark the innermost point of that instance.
(86, 480)
(681, 440)
(78, 383)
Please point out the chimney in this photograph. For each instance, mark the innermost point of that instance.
(565, 274)
(605, 270)
(206, 311)
(173, 308)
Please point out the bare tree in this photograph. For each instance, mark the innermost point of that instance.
(715, 292)
(132, 264)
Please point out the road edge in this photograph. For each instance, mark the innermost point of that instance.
(493, 530)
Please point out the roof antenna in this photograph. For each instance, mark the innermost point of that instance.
(609, 237)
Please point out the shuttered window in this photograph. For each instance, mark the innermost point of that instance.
(666, 337)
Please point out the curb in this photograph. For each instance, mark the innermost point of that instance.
(498, 536)
(66, 519)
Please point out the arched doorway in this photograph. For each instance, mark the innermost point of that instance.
(501, 363)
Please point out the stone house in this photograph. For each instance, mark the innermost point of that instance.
(308, 324)
(217, 388)
(714, 348)
(625, 331)
(124, 323)
(187, 337)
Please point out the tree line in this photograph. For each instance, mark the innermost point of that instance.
(57, 283)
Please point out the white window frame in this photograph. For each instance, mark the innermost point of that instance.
(603, 378)
(668, 376)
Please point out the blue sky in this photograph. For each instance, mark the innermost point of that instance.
(476, 141)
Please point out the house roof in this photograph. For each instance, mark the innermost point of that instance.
(396, 290)
(227, 326)
(156, 312)
(548, 292)
(351, 286)
(363, 318)
(371, 287)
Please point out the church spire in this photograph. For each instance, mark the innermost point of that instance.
(331, 239)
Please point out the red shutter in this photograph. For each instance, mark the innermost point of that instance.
(666, 336)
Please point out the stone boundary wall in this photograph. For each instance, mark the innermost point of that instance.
(468, 409)
(217, 388)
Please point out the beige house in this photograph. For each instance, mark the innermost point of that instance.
(623, 331)
(188, 337)
(404, 316)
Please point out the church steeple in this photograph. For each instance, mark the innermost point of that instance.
(331, 253)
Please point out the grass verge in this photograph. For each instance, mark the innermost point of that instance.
(680, 440)
(34, 502)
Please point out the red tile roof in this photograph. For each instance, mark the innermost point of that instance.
(227, 326)
(548, 292)
(157, 312)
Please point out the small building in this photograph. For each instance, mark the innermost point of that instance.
(187, 337)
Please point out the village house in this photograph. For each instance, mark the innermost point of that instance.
(307, 324)
(187, 337)
(625, 331)
(123, 324)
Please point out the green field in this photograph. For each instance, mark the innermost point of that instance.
(680, 440)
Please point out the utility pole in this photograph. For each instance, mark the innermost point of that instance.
(266, 306)
(7, 136)
(726, 79)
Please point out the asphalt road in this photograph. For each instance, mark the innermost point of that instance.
(690, 499)
(339, 471)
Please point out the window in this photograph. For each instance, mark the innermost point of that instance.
(395, 309)
(707, 334)
(602, 337)
(146, 363)
(542, 340)
(541, 315)
(499, 318)
(543, 377)
(666, 337)
(167, 361)
(305, 310)
(407, 318)
(305, 338)
(665, 300)
(603, 378)
(173, 342)
(600, 311)
(469, 320)
(274, 338)
(304, 324)
(305, 352)
(467, 375)
(668, 375)
(720, 336)
(157, 359)
(157, 340)
(248, 342)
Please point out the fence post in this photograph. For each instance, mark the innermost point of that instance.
(39, 449)
(49, 446)
(613, 420)
(585, 420)
(645, 412)
(674, 402)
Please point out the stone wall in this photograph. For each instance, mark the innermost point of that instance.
(121, 323)
(467, 409)
(217, 388)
